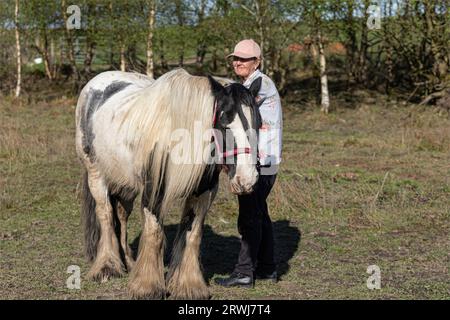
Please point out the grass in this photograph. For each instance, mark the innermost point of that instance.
(364, 185)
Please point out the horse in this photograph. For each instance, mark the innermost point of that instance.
(124, 140)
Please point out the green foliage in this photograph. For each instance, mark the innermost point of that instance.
(411, 50)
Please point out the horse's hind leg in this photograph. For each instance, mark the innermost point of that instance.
(107, 262)
(147, 276)
(123, 209)
(185, 278)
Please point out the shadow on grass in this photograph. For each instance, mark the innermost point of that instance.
(219, 253)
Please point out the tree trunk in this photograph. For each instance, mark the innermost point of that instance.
(45, 55)
(325, 98)
(90, 44)
(70, 49)
(201, 45)
(53, 57)
(181, 58)
(262, 43)
(390, 68)
(151, 27)
(351, 46)
(123, 60)
(439, 68)
(201, 52)
(90, 52)
(111, 38)
(364, 45)
(180, 16)
(19, 60)
(214, 60)
(162, 58)
(260, 11)
(111, 54)
(43, 50)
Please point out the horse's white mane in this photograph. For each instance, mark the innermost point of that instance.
(176, 100)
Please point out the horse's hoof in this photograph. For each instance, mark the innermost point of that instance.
(106, 271)
(140, 292)
(200, 292)
(130, 263)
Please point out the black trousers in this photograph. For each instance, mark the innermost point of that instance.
(255, 227)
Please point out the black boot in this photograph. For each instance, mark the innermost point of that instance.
(267, 276)
(236, 279)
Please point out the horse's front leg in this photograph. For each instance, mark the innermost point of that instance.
(147, 276)
(185, 278)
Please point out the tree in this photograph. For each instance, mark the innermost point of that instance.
(70, 47)
(325, 97)
(18, 49)
(91, 19)
(151, 30)
(314, 15)
(42, 18)
(259, 10)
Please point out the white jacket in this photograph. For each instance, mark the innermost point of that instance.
(270, 133)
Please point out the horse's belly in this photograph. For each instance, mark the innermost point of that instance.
(115, 156)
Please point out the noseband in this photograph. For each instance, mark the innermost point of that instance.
(227, 153)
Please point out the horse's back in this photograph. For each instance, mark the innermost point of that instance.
(101, 99)
(105, 85)
(105, 79)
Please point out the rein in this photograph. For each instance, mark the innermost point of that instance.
(227, 153)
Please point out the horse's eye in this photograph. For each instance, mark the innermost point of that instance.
(225, 118)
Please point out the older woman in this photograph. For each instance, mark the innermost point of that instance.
(256, 256)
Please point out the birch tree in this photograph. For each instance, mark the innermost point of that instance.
(325, 97)
(18, 50)
(38, 15)
(314, 11)
(151, 30)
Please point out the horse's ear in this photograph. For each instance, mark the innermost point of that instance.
(255, 87)
(217, 89)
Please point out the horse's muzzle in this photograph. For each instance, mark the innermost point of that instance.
(240, 187)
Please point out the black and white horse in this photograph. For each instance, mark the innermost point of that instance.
(125, 126)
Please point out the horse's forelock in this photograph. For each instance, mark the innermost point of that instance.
(244, 97)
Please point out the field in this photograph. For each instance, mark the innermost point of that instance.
(369, 184)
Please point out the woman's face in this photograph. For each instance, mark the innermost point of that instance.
(245, 67)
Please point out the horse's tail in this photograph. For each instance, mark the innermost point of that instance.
(91, 225)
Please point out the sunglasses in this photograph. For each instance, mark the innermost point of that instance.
(243, 59)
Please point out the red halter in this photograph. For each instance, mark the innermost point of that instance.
(226, 154)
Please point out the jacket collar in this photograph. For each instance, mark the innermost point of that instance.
(252, 77)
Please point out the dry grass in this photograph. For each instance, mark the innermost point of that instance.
(363, 185)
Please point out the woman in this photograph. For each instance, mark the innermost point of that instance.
(256, 256)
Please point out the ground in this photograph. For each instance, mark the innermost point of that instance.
(368, 184)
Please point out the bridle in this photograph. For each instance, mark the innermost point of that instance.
(222, 155)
